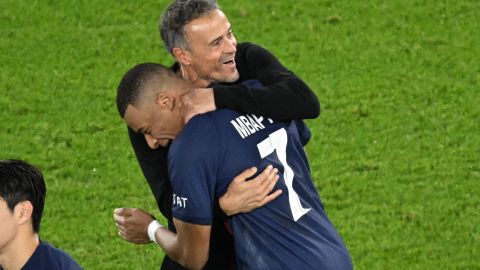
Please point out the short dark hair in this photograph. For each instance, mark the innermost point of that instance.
(19, 182)
(177, 15)
(134, 82)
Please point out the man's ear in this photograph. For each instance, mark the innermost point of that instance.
(165, 100)
(23, 212)
(182, 56)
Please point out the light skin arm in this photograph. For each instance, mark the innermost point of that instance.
(189, 246)
(244, 196)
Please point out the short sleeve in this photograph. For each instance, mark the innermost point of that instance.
(303, 132)
(193, 162)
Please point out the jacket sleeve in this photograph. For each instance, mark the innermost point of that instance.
(154, 167)
(284, 95)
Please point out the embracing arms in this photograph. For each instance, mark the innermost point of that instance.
(242, 195)
(284, 96)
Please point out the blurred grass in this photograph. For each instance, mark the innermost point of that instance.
(395, 153)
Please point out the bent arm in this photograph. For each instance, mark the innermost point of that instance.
(284, 95)
(189, 246)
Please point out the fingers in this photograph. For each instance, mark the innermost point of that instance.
(245, 174)
(124, 235)
(120, 215)
(270, 183)
(270, 198)
(123, 211)
(268, 179)
(264, 179)
(244, 196)
(263, 200)
(119, 220)
(122, 230)
(132, 228)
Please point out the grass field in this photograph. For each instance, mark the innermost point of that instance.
(395, 153)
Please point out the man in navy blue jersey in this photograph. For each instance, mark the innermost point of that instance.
(201, 40)
(291, 232)
(22, 197)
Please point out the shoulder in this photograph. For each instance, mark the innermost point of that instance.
(49, 257)
(203, 136)
(248, 48)
(194, 143)
(198, 130)
(205, 127)
(254, 60)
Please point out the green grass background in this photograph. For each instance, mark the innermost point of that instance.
(395, 153)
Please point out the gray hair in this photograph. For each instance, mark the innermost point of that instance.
(177, 15)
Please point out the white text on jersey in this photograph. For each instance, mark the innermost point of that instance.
(248, 124)
(179, 201)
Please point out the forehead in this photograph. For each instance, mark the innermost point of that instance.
(208, 27)
(135, 118)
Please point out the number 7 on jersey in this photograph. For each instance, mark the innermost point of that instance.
(278, 141)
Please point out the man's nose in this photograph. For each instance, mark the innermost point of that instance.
(231, 45)
(151, 141)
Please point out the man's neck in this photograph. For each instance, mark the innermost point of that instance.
(189, 75)
(18, 251)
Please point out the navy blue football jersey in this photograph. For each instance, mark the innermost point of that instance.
(291, 232)
(48, 257)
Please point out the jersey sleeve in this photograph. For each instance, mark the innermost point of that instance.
(284, 95)
(193, 162)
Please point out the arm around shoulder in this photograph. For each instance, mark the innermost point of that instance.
(283, 95)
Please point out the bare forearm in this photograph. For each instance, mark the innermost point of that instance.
(168, 241)
(191, 253)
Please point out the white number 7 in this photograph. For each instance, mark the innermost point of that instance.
(278, 141)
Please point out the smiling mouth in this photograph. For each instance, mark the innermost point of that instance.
(229, 62)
